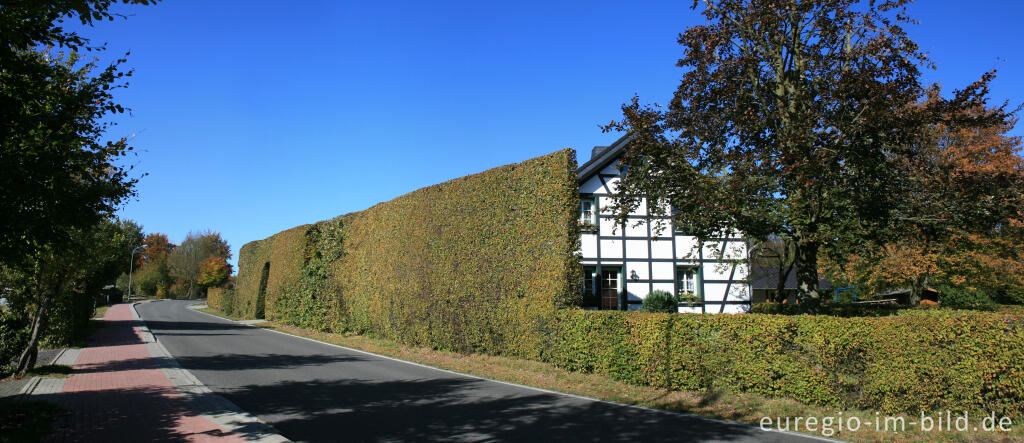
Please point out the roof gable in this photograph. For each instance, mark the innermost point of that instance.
(601, 157)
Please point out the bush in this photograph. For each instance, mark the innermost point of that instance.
(14, 334)
(660, 301)
(920, 360)
(830, 309)
(963, 297)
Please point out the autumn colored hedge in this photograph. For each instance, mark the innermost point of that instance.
(282, 254)
(931, 360)
(477, 264)
(217, 298)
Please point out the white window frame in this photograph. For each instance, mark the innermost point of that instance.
(681, 280)
(592, 218)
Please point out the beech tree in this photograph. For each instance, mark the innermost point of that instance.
(960, 223)
(792, 119)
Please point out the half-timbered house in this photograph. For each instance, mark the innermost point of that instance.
(624, 263)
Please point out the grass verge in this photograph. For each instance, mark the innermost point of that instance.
(26, 420)
(744, 408)
(100, 312)
(212, 311)
(51, 371)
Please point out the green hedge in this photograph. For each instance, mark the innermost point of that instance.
(283, 254)
(477, 264)
(929, 360)
(219, 299)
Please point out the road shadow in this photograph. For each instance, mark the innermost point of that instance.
(137, 414)
(463, 409)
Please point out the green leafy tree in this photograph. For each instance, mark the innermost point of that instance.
(65, 279)
(59, 178)
(792, 119)
(186, 261)
(58, 174)
(151, 277)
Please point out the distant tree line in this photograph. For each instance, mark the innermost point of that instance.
(163, 269)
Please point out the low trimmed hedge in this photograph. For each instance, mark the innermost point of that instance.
(926, 360)
(218, 298)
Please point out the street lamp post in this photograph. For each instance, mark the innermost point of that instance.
(131, 265)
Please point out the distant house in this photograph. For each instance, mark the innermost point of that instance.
(622, 264)
(902, 296)
(764, 284)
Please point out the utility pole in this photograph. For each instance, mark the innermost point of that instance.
(131, 265)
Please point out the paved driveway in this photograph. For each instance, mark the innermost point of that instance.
(316, 392)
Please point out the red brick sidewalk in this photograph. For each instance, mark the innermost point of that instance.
(117, 392)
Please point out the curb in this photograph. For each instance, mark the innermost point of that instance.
(30, 387)
(201, 399)
(46, 385)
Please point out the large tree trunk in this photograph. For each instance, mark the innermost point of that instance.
(27, 360)
(780, 285)
(806, 263)
(917, 288)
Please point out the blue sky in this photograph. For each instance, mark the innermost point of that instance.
(252, 117)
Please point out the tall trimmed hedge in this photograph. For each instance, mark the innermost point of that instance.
(476, 264)
(904, 363)
(283, 252)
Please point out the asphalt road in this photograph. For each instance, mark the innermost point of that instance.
(311, 391)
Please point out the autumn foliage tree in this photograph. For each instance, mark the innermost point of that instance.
(156, 247)
(792, 119)
(214, 272)
(959, 225)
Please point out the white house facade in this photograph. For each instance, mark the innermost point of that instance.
(622, 264)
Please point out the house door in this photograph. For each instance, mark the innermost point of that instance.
(610, 286)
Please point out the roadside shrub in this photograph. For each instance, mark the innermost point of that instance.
(964, 297)
(660, 301)
(830, 309)
(14, 335)
(216, 297)
(68, 320)
(920, 360)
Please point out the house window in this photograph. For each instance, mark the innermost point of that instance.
(588, 214)
(590, 298)
(687, 281)
(610, 288)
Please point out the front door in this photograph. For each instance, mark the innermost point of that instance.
(610, 288)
